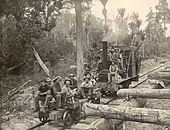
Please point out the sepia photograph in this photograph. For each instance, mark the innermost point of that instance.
(84, 64)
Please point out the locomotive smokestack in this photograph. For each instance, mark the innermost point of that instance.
(104, 54)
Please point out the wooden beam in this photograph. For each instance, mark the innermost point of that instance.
(143, 115)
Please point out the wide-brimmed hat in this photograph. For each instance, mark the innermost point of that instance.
(71, 75)
(67, 79)
(48, 79)
(57, 78)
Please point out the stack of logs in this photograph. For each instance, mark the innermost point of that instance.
(132, 110)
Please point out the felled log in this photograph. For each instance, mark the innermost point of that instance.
(88, 120)
(15, 92)
(167, 66)
(138, 103)
(145, 93)
(160, 76)
(41, 63)
(107, 124)
(141, 75)
(165, 71)
(143, 115)
(142, 86)
(101, 124)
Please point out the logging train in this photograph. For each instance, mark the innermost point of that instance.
(130, 73)
(131, 63)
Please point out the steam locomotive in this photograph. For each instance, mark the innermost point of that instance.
(131, 73)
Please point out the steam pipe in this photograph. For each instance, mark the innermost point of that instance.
(104, 43)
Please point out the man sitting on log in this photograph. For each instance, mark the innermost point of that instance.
(86, 86)
(43, 95)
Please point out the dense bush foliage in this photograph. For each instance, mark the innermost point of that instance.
(50, 28)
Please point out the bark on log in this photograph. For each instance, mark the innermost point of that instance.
(141, 75)
(143, 86)
(166, 71)
(101, 124)
(143, 115)
(107, 124)
(139, 103)
(145, 93)
(160, 75)
(88, 120)
(43, 66)
(167, 66)
(79, 126)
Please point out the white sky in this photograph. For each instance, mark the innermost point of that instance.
(139, 6)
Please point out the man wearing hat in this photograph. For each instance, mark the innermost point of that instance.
(49, 82)
(113, 55)
(55, 89)
(73, 81)
(66, 91)
(43, 95)
(86, 86)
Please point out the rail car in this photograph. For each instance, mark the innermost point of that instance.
(69, 113)
(131, 73)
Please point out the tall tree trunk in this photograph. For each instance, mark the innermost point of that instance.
(165, 25)
(47, 17)
(79, 40)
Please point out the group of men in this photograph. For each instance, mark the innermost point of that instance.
(62, 92)
(54, 89)
(118, 57)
